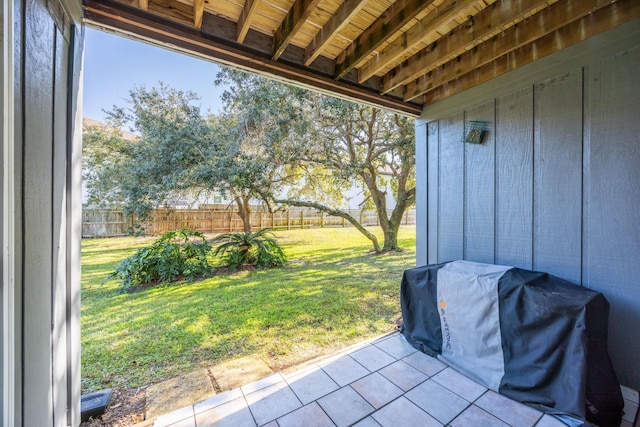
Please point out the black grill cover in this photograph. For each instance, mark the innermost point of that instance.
(551, 335)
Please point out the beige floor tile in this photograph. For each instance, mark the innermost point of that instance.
(231, 414)
(507, 410)
(404, 376)
(474, 416)
(377, 390)
(439, 402)
(459, 384)
(345, 370)
(426, 364)
(311, 415)
(345, 406)
(402, 413)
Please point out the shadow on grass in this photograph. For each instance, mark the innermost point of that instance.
(329, 298)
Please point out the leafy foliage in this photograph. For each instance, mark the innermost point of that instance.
(175, 255)
(259, 249)
(157, 167)
(272, 142)
(322, 146)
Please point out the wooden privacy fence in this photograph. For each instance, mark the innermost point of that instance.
(112, 223)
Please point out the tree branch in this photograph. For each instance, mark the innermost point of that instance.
(334, 212)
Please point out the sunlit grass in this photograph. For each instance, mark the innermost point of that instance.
(331, 294)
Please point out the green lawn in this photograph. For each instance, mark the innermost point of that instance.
(331, 294)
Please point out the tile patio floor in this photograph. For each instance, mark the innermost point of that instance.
(384, 383)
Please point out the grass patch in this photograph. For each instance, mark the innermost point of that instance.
(332, 293)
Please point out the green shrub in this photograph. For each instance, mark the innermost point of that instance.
(179, 254)
(259, 249)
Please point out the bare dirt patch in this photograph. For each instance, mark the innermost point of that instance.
(126, 409)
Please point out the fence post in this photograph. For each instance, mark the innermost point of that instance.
(261, 220)
(230, 222)
(273, 221)
(344, 222)
(302, 218)
(321, 219)
(288, 220)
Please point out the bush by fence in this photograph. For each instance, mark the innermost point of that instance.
(112, 223)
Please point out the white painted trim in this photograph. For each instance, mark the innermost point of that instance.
(7, 410)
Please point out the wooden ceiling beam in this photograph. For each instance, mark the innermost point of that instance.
(210, 44)
(244, 22)
(296, 17)
(337, 22)
(143, 4)
(539, 25)
(175, 10)
(444, 14)
(595, 23)
(486, 22)
(198, 12)
(391, 21)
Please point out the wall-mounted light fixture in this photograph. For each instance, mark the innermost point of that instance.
(474, 131)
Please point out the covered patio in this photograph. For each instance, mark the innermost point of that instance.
(551, 185)
(385, 383)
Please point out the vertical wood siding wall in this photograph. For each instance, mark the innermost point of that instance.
(47, 214)
(555, 187)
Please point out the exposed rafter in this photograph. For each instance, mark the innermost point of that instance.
(338, 20)
(215, 41)
(390, 22)
(180, 12)
(615, 14)
(396, 54)
(444, 14)
(198, 11)
(539, 25)
(499, 15)
(244, 22)
(296, 17)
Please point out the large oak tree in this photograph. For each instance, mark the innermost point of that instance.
(276, 143)
(323, 146)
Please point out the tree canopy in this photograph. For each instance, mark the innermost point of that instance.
(326, 145)
(276, 143)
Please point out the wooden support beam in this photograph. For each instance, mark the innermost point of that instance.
(225, 50)
(198, 11)
(391, 21)
(143, 4)
(444, 14)
(244, 21)
(539, 25)
(296, 17)
(173, 9)
(338, 20)
(499, 15)
(595, 23)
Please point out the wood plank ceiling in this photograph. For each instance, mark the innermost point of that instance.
(397, 54)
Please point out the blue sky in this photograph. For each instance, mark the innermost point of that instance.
(113, 65)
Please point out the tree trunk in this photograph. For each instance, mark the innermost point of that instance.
(389, 229)
(391, 236)
(244, 211)
(338, 213)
